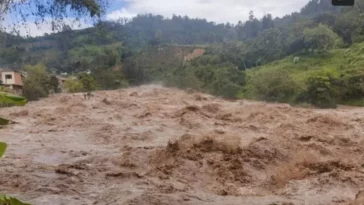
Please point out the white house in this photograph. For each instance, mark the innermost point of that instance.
(12, 79)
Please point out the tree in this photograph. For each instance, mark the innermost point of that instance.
(269, 44)
(320, 38)
(36, 85)
(354, 85)
(321, 90)
(346, 24)
(54, 84)
(73, 85)
(252, 27)
(57, 10)
(183, 78)
(223, 80)
(326, 18)
(227, 82)
(274, 85)
(92, 57)
(87, 81)
(267, 22)
(318, 6)
(157, 38)
(109, 79)
(251, 15)
(296, 46)
(297, 29)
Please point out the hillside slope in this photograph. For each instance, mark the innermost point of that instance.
(153, 145)
(345, 65)
(155, 64)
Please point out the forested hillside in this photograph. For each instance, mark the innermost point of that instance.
(311, 56)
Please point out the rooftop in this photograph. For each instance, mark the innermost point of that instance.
(13, 70)
(9, 70)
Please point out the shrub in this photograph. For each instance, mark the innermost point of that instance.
(73, 85)
(54, 84)
(321, 89)
(229, 90)
(87, 81)
(9, 200)
(33, 90)
(37, 83)
(355, 86)
(184, 80)
(7, 100)
(224, 81)
(5, 89)
(110, 79)
(274, 85)
(83, 82)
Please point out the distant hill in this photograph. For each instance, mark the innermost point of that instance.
(254, 59)
(143, 31)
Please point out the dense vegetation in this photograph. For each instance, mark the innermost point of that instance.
(311, 56)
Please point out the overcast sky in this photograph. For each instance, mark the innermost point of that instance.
(220, 11)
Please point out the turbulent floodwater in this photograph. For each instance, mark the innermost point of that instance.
(153, 145)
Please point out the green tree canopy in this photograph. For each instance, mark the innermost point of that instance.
(37, 83)
(55, 10)
(320, 38)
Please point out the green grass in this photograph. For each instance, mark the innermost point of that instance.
(343, 61)
(340, 59)
(359, 103)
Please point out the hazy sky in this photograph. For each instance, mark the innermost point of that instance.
(220, 11)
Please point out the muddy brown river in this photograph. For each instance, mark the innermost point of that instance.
(151, 145)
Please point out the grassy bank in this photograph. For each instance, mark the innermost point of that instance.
(336, 76)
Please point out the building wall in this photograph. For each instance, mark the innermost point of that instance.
(18, 79)
(7, 81)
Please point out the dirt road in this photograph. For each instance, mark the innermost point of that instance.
(153, 145)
